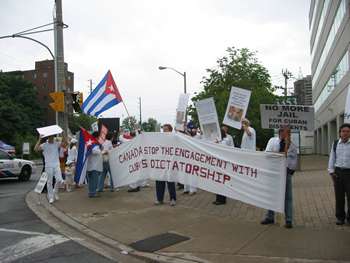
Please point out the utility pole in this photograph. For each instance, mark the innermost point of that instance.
(62, 117)
(286, 74)
(90, 93)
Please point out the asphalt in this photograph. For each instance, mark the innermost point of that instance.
(203, 232)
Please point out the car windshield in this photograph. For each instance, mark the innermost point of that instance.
(4, 155)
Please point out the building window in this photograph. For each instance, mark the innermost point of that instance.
(69, 77)
(45, 75)
(68, 89)
(44, 86)
(44, 98)
(34, 87)
(34, 75)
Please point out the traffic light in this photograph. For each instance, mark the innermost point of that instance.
(58, 97)
(77, 101)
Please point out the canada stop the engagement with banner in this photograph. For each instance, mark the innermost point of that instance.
(256, 178)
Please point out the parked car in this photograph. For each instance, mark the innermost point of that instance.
(13, 167)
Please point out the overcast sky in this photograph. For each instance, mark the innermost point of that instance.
(133, 38)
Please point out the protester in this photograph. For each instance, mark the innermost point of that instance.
(73, 157)
(52, 162)
(94, 167)
(249, 136)
(69, 175)
(107, 145)
(221, 199)
(284, 145)
(339, 170)
(160, 185)
(228, 137)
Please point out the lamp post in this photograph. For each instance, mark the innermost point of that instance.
(182, 74)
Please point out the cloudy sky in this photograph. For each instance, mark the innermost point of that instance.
(133, 38)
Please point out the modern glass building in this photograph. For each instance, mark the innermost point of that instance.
(329, 22)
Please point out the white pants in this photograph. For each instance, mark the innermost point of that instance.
(188, 188)
(51, 172)
(139, 183)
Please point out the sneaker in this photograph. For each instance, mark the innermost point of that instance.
(69, 190)
(267, 221)
(79, 186)
(55, 196)
(51, 200)
(172, 202)
(146, 185)
(289, 224)
(100, 191)
(133, 190)
(95, 195)
(339, 222)
(159, 203)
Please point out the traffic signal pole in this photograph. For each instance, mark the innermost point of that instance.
(61, 117)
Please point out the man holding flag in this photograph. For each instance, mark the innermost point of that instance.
(89, 160)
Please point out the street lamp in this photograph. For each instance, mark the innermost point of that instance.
(184, 75)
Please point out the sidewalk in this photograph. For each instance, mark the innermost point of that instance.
(198, 231)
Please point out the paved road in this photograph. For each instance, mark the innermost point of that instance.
(26, 238)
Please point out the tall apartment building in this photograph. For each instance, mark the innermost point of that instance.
(329, 22)
(43, 80)
(303, 89)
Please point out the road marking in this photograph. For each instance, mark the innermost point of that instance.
(29, 245)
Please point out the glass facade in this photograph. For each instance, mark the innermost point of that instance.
(336, 77)
(336, 23)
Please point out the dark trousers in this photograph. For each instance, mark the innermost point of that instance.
(342, 189)
(220, 198)
(160, 189)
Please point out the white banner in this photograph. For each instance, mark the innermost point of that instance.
(181, 111)
(257, 178)
(237, 107)
(49, 130)
(299, 117)
(208, 119)
(347, 108)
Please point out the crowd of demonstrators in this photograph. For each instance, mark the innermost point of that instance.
(52, 162)
(339, 170)
(160, 185)
(249, 136)
(107, 146)
(284, 145)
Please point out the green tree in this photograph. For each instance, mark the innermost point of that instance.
(150, 125)
(20, 113)
(80, 119)
(126, 124)
(240, 68)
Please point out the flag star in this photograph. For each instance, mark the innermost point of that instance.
(111, 88)
(89, 143)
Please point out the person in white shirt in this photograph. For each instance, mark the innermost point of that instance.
(249, 136)
(339, 170)
(107, 145)
(94, 167)
(52, 162)
(284, 145)
(228, 138)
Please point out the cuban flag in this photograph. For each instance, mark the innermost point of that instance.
(104, 96)
(86, 144)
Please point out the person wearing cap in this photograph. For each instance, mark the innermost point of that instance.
(284, 145)
(249, 136)
(69, 174)
(52, 162)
